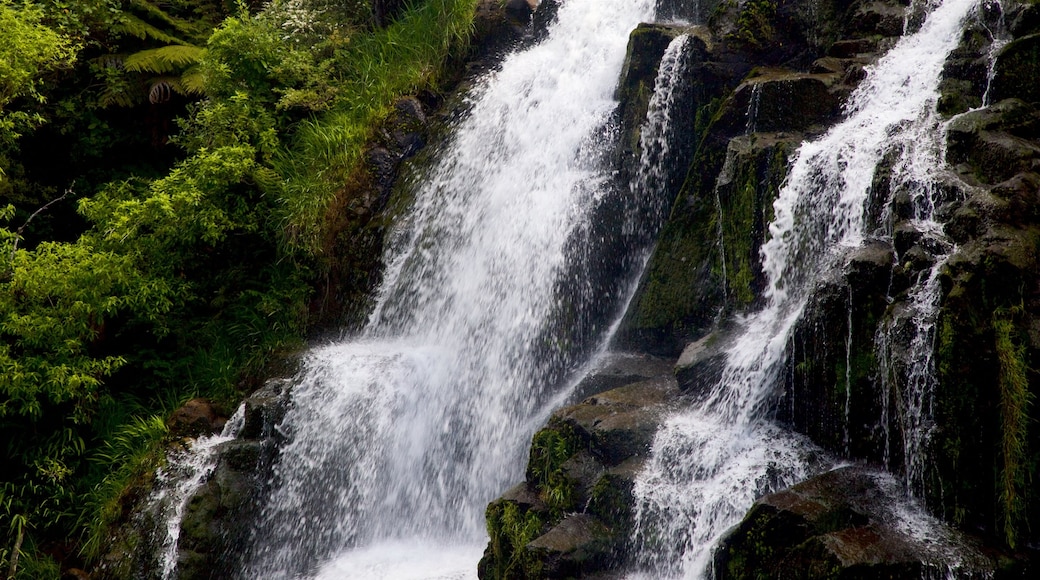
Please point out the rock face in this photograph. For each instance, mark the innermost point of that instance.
(848, 523)
(211, 542)
(767, 75)
(571, 516)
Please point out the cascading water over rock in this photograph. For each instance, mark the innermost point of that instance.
(496, 291)
(712, 460)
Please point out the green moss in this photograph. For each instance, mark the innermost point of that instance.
(550, 448)
(610, 501)
(754, 28)
(1015, 400)
(510, 529)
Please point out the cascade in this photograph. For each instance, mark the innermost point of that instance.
(185, 471)
(658, 132)
(710, 461)
(500, 282)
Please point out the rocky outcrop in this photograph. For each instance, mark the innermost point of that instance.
(211, 538)
(571, 516)
(845, 524)
(769, 75)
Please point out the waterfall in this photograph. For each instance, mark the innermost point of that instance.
(500, 281)
(709, 462)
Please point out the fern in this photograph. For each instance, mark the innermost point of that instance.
(134, 26)
(164, 60)
(156, 13)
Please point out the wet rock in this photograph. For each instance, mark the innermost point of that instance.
(621, 423)
(499, 26)
(646, 46)
(700, 365)
(196, 418)
(572, 516)
(847, 523)
(577, 543)
(620, 369)
(265, 408)
(782, 100)
(1016, 70)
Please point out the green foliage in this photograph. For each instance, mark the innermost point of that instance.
(754, 27)
(29, 50)
(134, 450)
(183, 276)
(510, 529)
(550, 448)
(1015, 401)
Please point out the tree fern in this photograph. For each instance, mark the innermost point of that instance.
(164, 60)
(132, 25)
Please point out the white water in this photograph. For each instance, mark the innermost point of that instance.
(185, 471)
(658, 132)
(492, 298)
(710, 462)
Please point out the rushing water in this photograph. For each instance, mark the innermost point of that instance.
(495, 294)
(186, 470)
(711, 461)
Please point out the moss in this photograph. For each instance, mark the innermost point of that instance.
(510, 528)
(754, 27)
(1015, 400)
(550, 448)
(745, 207)
(1017, 69)
(610, 501)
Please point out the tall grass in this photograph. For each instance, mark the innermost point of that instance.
(378, 69)
(133, 451)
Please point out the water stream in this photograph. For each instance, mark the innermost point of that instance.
(711, 461)
(501, 281)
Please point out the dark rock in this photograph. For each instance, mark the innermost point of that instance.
(499, 27)
(265, 408)
(782, 100)
(577, 543)
(572, 516)
(196, 418)
(621, 423)
(853, 48)
(701, 364)
(619, 369)
(1023, 18)
(1016, 70)
(847, 523)
(878, 18)
(995, 142)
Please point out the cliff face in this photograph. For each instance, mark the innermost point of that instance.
(763, 76)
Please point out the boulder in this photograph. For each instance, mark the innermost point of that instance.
(196, 418)
(1016, 70)
(572, 516)
(849, 523)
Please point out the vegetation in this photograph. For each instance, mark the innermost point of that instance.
(1015, 400)
(169, 170)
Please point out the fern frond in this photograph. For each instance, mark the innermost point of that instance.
(134, 26)
(158, 14)
(163, 60)
(194, 81)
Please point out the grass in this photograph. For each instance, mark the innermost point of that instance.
(378, 69)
